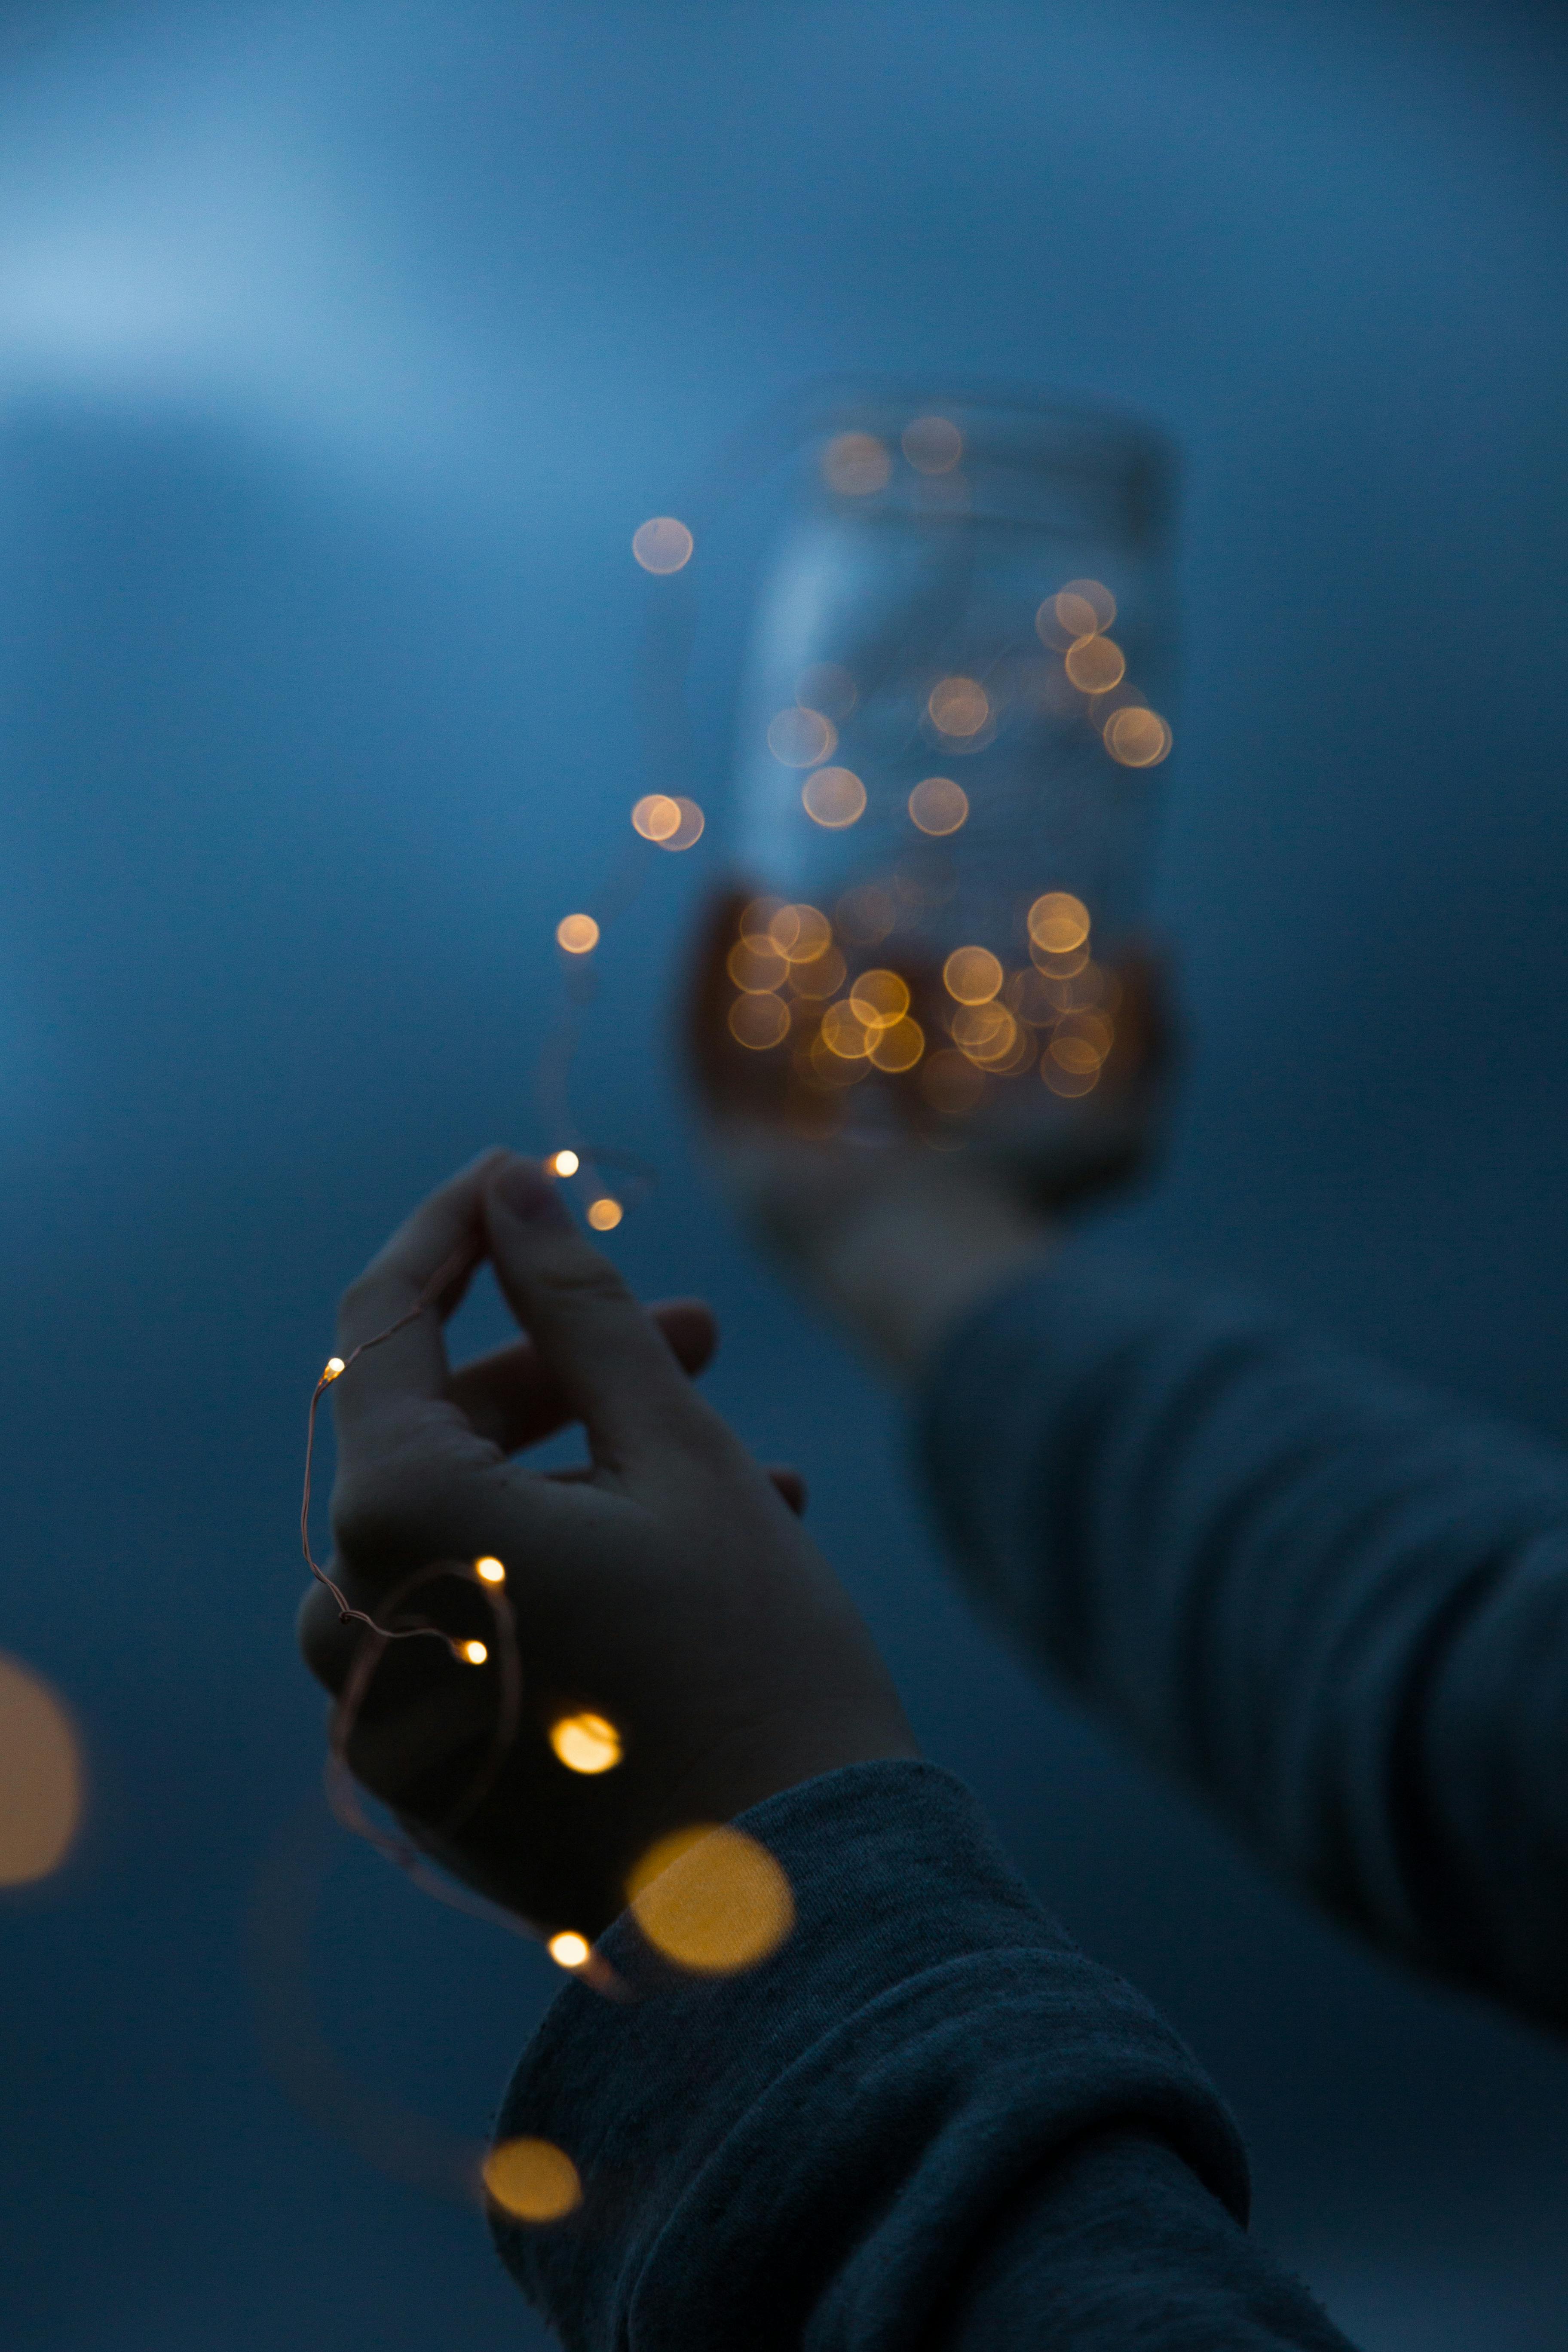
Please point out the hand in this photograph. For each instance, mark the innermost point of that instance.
(667, 1586)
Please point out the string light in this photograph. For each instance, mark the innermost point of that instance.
(587, 1743)
(569, 1950)
(578, 934)
(655, 816)
(958, 706)
(662, 544)
(565, 1163)
(604, 1213)
(333, 1369)
(1058, 922)
(532, 2179)
(938, 806)
(972, 976)
(490, 1571)
(833, 797)
(474, 1652)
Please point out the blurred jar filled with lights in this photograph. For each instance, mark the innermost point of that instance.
(952, 716)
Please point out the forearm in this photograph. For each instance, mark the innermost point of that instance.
(928, 2121)
(1336, 1605)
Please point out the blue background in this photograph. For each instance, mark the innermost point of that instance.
(341, 349)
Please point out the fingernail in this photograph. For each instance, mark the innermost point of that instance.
(529, 1195)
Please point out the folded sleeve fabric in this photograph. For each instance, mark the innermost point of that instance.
(1333, 1603)
(926, 2121)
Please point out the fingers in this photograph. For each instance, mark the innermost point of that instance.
(509, 1398)
(612, 1366)
(443, 1235)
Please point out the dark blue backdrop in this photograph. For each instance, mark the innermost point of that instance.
(340, 350)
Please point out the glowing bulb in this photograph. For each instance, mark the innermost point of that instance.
(585, 1743)
(689, 828)
(565, 1163)
(605, 1214)
(475, 1652)
(532, 2179)
(41, 1777)
(657, 816)
(834, 798)
(490, 1571)
(335, 1365)
(959, 706)
(568, 1950)
(1058, 922)
(972, 975)
(801, 737)
(1137, 738)
(1095, 665)
(759, 1022)
(711, 1899)
(661, 544)
(879, 998)
(577, 934)
(938, 805)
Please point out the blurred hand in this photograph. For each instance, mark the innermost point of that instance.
(667, 1586)
(900, 1236)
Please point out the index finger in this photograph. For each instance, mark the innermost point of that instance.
(390, 1318)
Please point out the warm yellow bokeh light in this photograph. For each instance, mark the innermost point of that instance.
(822, 977)
(830, 1069)
(759, 1022)
(801, 933)
(972, 976)
(661, 544)
(833, 797)
(938, 806)
(1058, 922)
(655, 816)
(532, 2179)
(757, 919)
(986, 1033)
(475, 1652)
(689, 829)
(568, 1949)
(933, 445)
(1068, 1084)
(565, 1163)
(1095, 665)
(577, 934)
(801, 737)
(879, 998)
(604, 1213)
(1138, 737)
(334, 1366)
(585, 1743)
(855, 464)
(958, 706)
(489, 1570)
(897, 1045)
(712, 1900)
(756, 966)
(1084, 605)
(41, 1778)
(844, 1034)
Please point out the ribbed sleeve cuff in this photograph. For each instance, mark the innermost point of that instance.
(837, 2125)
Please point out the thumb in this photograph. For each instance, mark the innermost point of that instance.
(605, 1354)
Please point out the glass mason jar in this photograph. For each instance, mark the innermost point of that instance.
(953, 707)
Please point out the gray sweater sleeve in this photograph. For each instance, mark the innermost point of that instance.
(1334, 1604)
(927, 2123)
